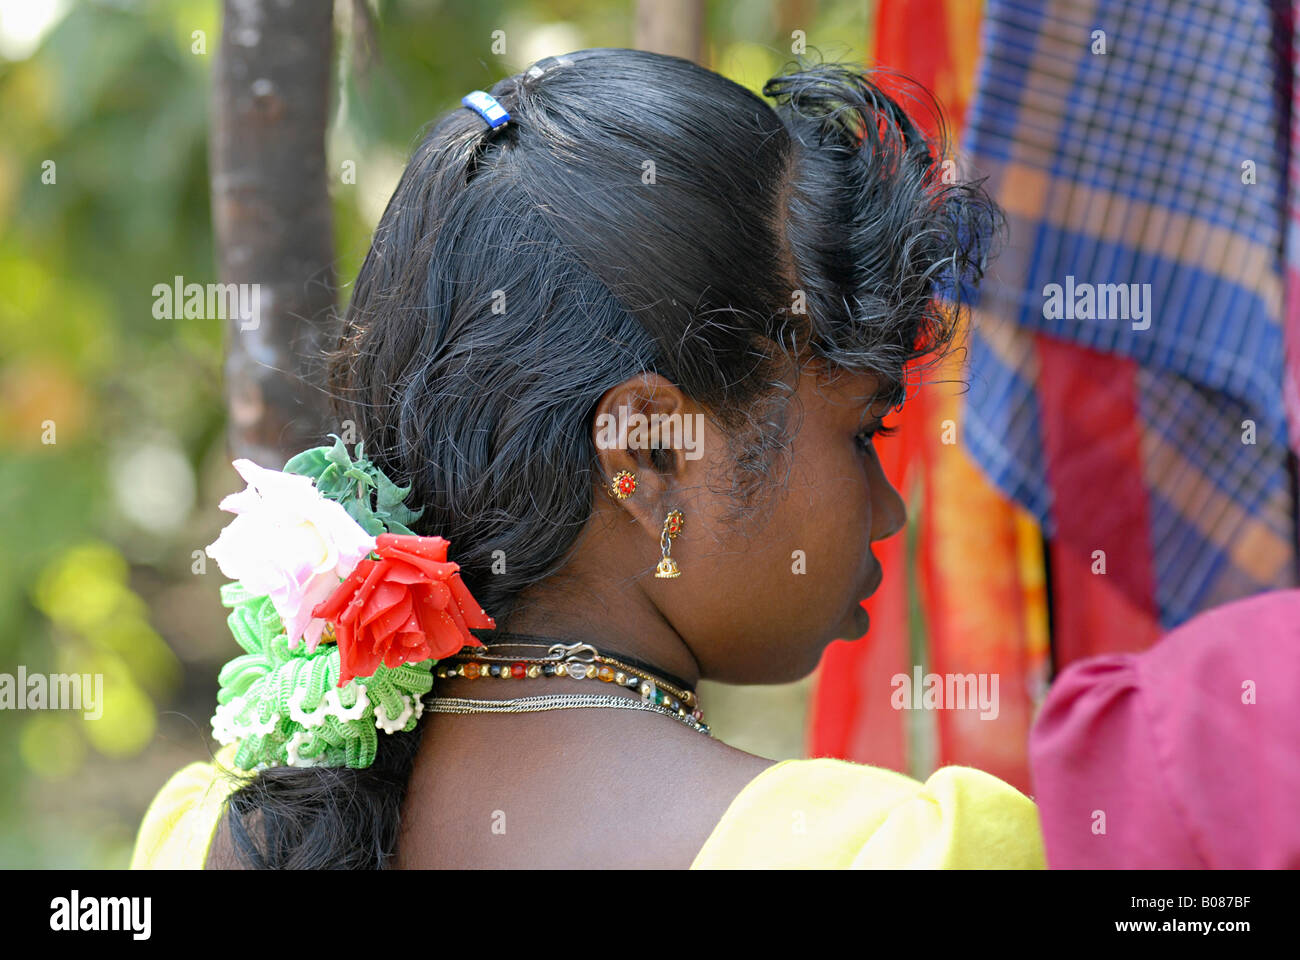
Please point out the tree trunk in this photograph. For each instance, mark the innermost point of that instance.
(273, 221)
(671, 26)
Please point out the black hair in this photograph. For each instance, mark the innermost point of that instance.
(638, 213)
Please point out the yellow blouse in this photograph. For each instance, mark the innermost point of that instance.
(818, 813)
(826, 813)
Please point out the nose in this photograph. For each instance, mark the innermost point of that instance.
(888, 511)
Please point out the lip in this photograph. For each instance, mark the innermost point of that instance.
(877, 576)
(876, 579)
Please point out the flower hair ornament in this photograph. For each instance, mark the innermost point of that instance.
(341, 610)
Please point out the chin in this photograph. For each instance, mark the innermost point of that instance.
(795, 663)
(851, 628)
(855, 625)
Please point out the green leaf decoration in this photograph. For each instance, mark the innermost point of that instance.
(338, 454)
(364, 517)
(371, 499)
(309, 463)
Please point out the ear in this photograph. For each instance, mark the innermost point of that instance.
(648, 426)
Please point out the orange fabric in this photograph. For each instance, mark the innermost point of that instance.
(981, 562)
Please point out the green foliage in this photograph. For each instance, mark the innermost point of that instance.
(369, 497)
(103, 193)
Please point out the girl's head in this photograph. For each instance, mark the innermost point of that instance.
(646, 237)
(643, 237)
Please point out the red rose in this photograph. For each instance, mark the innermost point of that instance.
(407, 606)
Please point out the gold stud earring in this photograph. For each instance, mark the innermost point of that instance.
(673, 524)
(623, 485)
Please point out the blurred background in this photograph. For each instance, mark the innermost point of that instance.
(1079, 481)
(113, 422)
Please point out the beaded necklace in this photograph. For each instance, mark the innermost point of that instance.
(578, 661)
(550, 644)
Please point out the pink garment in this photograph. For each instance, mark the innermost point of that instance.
(1165, 745)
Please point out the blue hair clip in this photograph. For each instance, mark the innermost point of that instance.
(487, 107)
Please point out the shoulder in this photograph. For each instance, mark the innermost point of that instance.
(833, 813)
(177, 828)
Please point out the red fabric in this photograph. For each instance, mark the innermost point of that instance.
(913, 38)
(1091, 434)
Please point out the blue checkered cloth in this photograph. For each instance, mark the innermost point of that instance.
(1126, 167)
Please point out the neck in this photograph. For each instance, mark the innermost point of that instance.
(631, 626)
(527, 646)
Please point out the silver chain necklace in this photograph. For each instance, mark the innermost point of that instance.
(556, 701)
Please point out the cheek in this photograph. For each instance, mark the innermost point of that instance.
(832, 529)
(841, 529)
(771, 597)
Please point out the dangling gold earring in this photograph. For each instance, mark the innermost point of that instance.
(673, 523)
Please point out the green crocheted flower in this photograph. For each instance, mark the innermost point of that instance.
(284, 706)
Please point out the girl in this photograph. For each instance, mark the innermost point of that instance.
(638, 244)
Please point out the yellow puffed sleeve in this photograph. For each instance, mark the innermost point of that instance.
(826, 813)
(178, 826)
